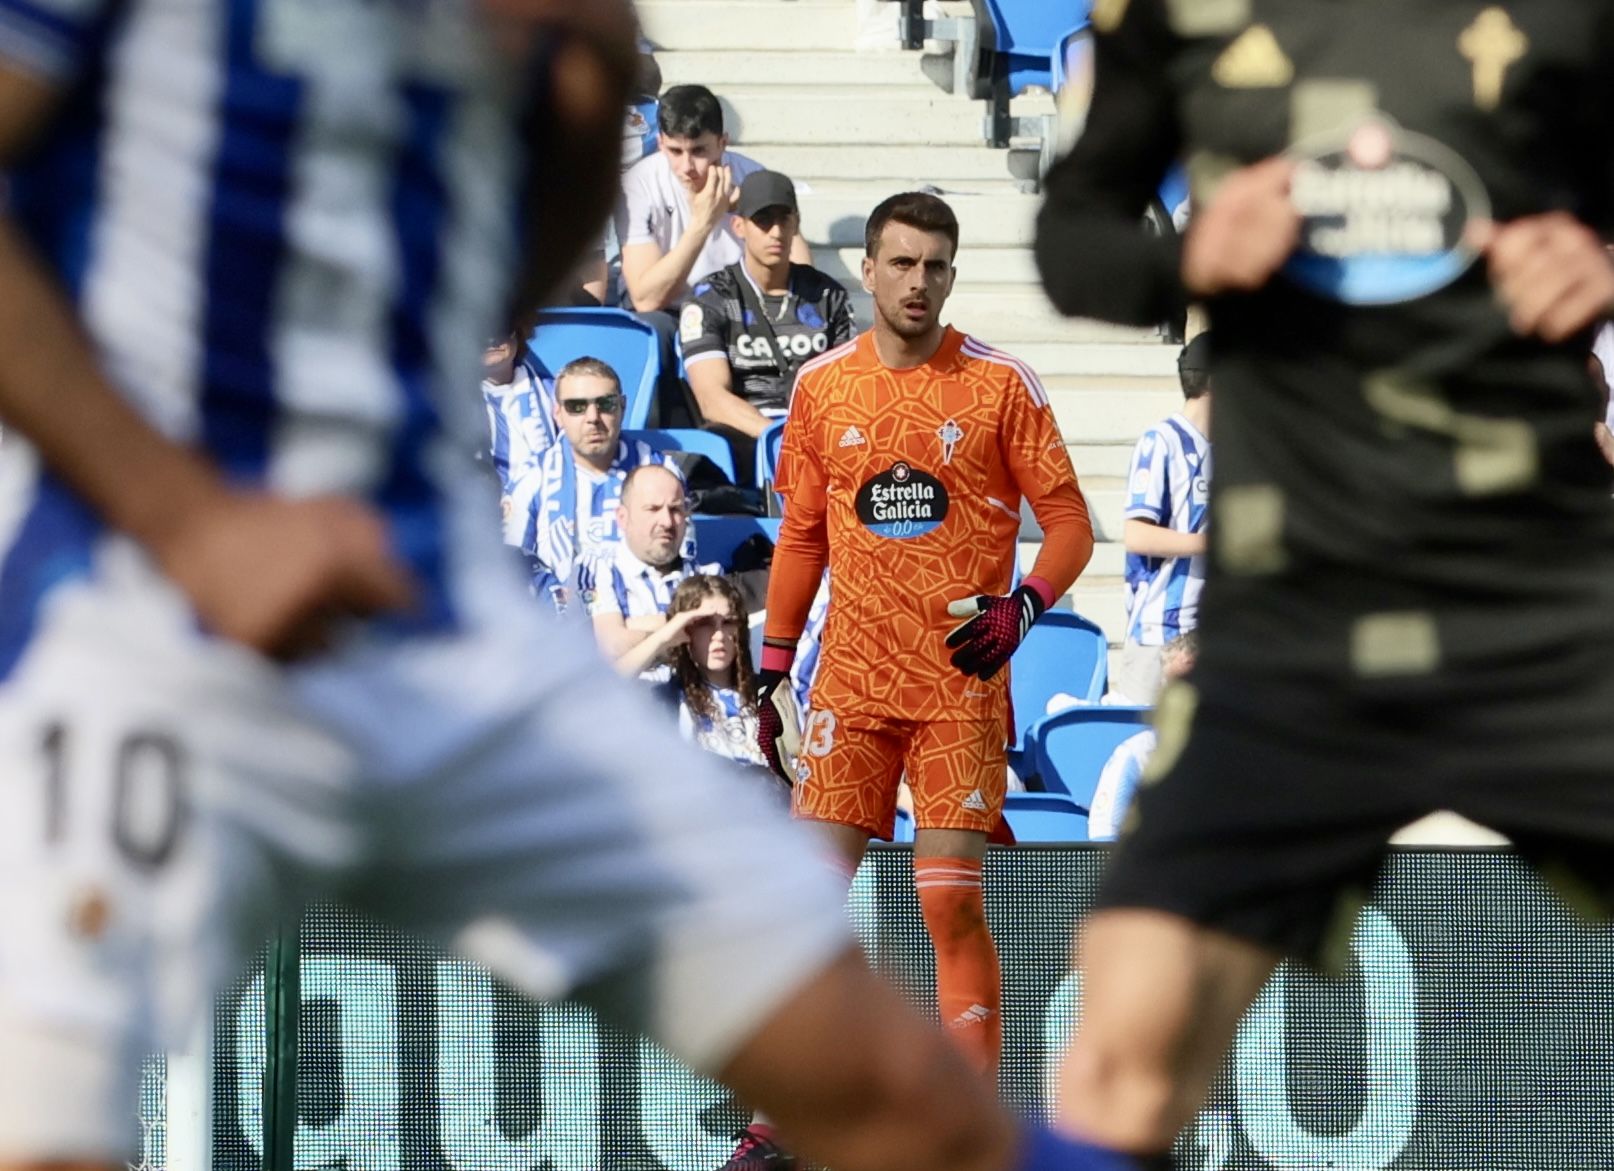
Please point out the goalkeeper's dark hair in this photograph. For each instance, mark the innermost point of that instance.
(691, 592)
(689, 111)
(915, 209)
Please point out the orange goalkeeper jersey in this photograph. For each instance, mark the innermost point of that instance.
(916, 478)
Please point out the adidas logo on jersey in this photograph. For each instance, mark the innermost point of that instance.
(975, 801)
(853, 438)
(975, 1014)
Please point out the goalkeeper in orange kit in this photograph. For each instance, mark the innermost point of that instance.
(903, 466)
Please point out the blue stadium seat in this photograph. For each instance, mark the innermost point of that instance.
(1021, 38)
(717, 537)
(904, 829)
(1045, 817)
(614, 336)
(713, 446)
(1072, 746)
(1063, 652)
(1025, 35)
(768, 451)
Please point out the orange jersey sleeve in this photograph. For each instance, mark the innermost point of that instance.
(922, 473)
(1035, 452)
(803, 548)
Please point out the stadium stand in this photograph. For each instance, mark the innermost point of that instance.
(852, 128)
(768, 453)
(1005, 49)
(714, 447)
(614, 336)
(1069, 748)
(717, 537)
(1045, 817)
(903, 833)
(1063, 653)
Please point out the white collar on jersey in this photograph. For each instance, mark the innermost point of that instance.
(632, 566)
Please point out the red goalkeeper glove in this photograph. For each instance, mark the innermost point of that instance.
(996, 625)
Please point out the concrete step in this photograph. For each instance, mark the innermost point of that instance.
(905, 165)
(1106, 500)
(726, 69)
(760, 115)
(979, 269)
(1111, 458)
(1109, 559)
(1115, 384)
(1108, 416)
(1143, 357)
(1006, 317)
(718, 25)
(874, 190)
(985, 221)
(1102, 600)
(1099, 595)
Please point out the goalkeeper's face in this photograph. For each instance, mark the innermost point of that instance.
(911, 276)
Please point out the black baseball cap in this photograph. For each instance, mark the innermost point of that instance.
(1196, 355)
(765, 189)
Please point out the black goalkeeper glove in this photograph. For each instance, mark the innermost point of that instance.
(995, 627)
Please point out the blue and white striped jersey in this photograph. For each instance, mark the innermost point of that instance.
(733, 736)
(1169, 485)
(288, 226)
(617, 582)
(564, 516)
(521, 420)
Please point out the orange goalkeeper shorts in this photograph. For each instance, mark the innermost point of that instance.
(850, 765)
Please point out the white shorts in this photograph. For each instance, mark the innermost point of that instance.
(499, 791)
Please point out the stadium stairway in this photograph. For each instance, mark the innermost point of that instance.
(853, 127)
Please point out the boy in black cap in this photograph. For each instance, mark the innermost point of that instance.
(1167, 505)
(751, 325)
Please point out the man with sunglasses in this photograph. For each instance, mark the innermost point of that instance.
(564, 512)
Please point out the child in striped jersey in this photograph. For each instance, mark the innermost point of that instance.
(712, 676)
(1167, 507)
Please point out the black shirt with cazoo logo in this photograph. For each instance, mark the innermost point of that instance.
(814, 317)
(1403, 484)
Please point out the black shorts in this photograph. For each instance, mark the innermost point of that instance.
(1277, 797)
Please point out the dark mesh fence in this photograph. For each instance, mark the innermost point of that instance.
(1473, 1030)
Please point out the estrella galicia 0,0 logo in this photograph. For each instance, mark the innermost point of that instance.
(902, 503)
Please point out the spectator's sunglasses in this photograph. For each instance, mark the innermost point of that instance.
(609, 404)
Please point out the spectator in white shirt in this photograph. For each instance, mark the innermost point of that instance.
(629, 590)
(673, 220)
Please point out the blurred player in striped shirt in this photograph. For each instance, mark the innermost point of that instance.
(258, 639)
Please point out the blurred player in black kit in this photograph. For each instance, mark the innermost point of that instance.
(1410, 602)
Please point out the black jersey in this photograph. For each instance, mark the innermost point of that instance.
(815, 316)
(1403, 484)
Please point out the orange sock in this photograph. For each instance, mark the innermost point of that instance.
(967, 977)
